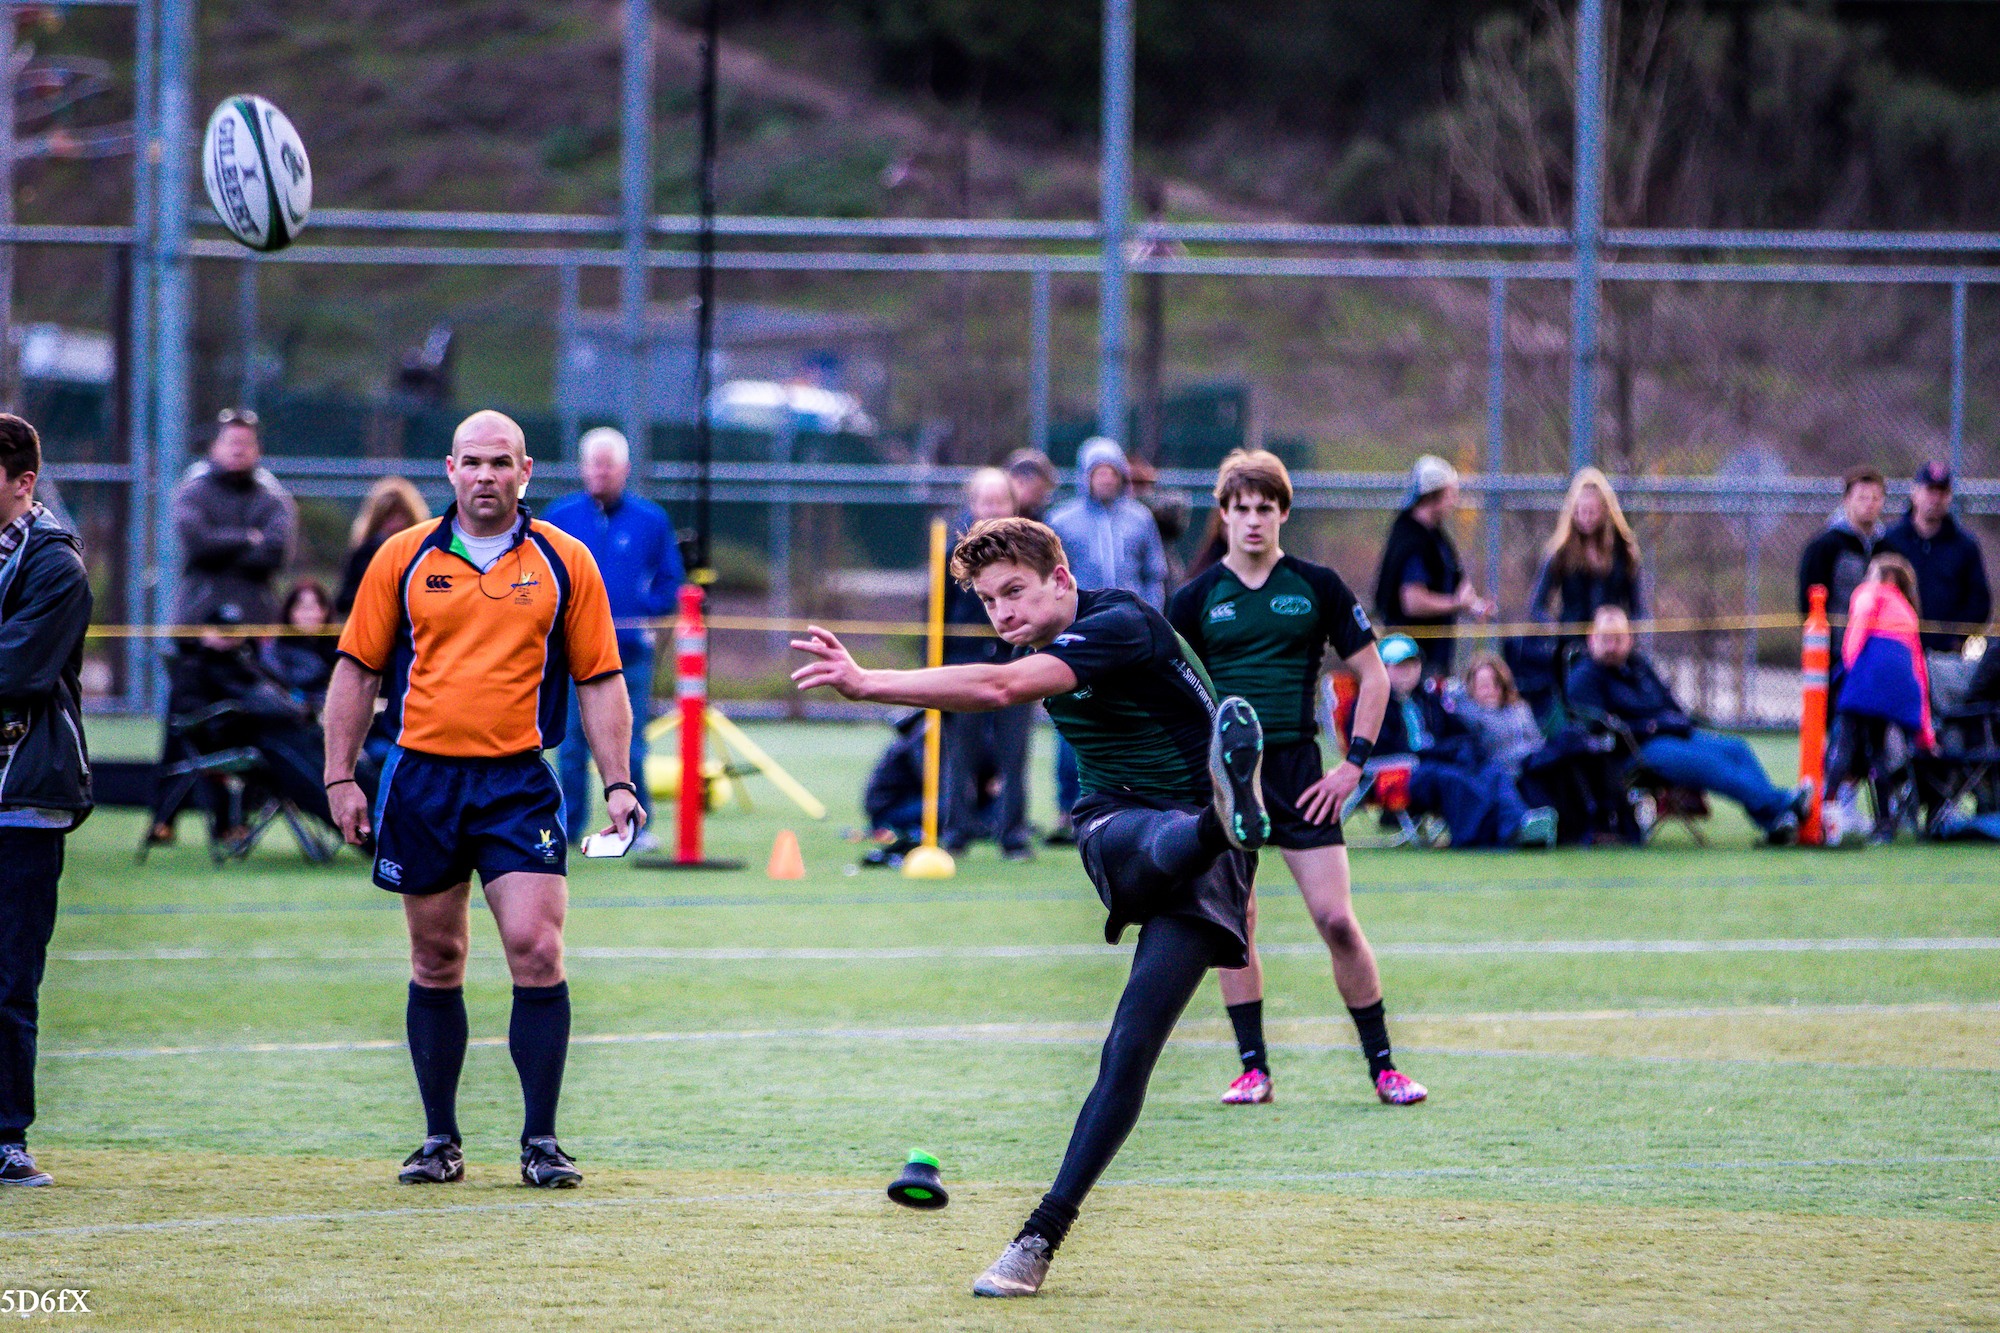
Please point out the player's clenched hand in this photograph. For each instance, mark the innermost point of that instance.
(350, 812)
(1321, 802)
(832, 665)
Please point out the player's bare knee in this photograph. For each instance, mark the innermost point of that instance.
(437, 962)
(536, 958)
(1339, 929)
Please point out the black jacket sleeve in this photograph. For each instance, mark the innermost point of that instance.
(1816, 567)
(50, 612)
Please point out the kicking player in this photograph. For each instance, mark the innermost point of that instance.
(476, 623)
(1259, 619)
(1169, 813)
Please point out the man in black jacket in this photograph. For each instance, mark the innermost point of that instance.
(1951, 575)
(44, 767)
(1421, 583)
(237, 526)
(1837, 559)
(1616, 681)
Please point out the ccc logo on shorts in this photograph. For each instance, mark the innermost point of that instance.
(438, 582)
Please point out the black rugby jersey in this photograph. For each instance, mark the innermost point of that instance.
(1267, 643)
(1140, 714)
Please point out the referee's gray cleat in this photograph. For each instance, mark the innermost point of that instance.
(1018, 1271)
(546, 1166)
(438, 1162)
(1236, 766)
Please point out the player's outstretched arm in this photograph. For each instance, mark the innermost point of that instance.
(607, 725)
(350, 708)
(974, 688)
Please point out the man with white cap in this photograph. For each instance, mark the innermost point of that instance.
(1422, 585)
(633, 543)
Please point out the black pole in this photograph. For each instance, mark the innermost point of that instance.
(704, 318)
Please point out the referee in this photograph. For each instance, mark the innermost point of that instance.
(473, 626)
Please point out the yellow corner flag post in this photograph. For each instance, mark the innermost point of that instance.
(931, 861)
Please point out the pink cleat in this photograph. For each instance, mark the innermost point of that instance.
(1252, 1088)
(1399, 1089)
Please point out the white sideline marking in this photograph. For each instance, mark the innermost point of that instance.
(1469, 949)
(1045, 1033)
(1552, 1174)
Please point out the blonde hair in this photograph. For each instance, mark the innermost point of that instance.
(995, 541)
(1510, 693)
(1256, 470)
(1568, 547)
(1892, 568)
(388, 494)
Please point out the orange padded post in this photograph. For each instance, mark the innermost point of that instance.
(1816, 660)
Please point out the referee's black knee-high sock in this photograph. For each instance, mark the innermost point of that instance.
(1172, 957)
(435, 1022)
(538, 1039)
(1373, 1026)
(1248, 1020)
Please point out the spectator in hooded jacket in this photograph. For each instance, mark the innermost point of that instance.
(1951, 573)
(236, 526)
(1837, 559)
(1421, 583)
(1885, 707)
(1112, 542)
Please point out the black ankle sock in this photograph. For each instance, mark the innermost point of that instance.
(538, 1039)
(435, 1022)
(1373, 1026)
(1248, 1020)
(1208, 829)
(1051, 1220)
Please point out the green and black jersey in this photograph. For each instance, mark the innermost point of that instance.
(1140, 714)
(1267, 643)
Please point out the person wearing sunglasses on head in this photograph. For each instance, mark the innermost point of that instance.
(237, 527)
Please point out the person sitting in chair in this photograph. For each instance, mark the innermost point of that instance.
(1616, 682)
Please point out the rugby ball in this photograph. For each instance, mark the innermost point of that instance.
(257, 173)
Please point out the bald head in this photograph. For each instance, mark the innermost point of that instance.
(488, 467)
(1610, 636)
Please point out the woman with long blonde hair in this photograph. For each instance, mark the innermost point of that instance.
(392, 505)
(1592, 558)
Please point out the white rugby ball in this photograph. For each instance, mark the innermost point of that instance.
(257, 173)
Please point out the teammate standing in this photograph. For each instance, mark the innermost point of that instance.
(1260, 620)
(1169, 811)
(477, 622)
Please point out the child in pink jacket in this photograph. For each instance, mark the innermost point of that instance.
(1884, 708)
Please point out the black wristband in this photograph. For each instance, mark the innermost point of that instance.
(337, 781)
(621, 786)
(1359, 748)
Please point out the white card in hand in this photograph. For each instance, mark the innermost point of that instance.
(610, 844)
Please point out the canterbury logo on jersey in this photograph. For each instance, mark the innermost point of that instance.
(438, 582)
(1222, 611)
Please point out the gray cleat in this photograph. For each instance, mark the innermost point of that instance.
(1236, 767)
(1018, 1271)
(438, 1162)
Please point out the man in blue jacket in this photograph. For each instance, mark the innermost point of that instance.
(1951, 574)
(44, 767)
(1616, 681)
(633, 544)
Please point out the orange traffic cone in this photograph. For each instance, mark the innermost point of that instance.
(786, 863)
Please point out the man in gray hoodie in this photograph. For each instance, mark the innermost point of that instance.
(1113, 542)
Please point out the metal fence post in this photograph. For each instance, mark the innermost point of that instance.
(1496, 423)
(246, 331)
(635, 159)
(1114, 209)
(1958, 377)
(139, 561)
(170, 381)
(568, 298)
(1038, 360)
(1587, 233)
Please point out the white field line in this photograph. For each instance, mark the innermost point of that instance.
(1548, 1174)
(1044, 1033)
(1469, 949)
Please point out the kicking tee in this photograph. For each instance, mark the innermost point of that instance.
(1267, 643)
(1140, 714)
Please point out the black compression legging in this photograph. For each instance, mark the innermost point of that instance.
(1172, 957)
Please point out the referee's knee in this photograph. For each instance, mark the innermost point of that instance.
(536, 959)
(437, 963)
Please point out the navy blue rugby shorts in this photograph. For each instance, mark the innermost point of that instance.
(439, 819)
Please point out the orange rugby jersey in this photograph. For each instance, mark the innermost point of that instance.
(478, 665)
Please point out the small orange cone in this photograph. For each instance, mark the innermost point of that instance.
(786, 863)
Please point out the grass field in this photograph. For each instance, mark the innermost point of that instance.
(1710, 1088)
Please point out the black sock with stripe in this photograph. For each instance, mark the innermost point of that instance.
(1248, 1020)
(1373, 1025)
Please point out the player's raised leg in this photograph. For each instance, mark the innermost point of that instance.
(529, 910)
(1324, 882)
(440, 936)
